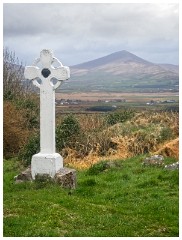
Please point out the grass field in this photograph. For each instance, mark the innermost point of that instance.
(128, 200)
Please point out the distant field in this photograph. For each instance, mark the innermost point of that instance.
(107, 99)
(95, 96)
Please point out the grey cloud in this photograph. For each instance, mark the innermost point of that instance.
(82, 32)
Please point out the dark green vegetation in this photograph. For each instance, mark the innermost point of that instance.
(119, 117)
(67, 132)
(125, 200)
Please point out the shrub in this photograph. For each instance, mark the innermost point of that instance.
(32, 106)
(20, 106)
(12, 76)
(67, 132)
(94, 143)
(15, 132)
(144, 141)
(119, 117)
(31, 148)
(166, 134)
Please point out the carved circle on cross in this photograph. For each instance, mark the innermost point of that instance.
(47, 60)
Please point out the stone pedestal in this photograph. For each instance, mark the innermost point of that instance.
(65, 177)
(46, 164)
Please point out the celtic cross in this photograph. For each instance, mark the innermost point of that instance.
(47, 160)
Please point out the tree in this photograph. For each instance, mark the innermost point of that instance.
(12, 76)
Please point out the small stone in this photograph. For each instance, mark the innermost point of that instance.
(24, 176)
(173, 166)
(112, 164)
(157, 160)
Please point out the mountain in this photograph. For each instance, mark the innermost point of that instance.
(170, 67)
(117, 57)
(124, 72)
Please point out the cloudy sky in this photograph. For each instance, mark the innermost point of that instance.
(81, 32)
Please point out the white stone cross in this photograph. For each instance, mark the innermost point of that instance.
(47, 161)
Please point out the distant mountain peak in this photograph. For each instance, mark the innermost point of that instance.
(122, 52)
(123, 56)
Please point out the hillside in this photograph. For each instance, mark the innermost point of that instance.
(170, 67)
(125, 72)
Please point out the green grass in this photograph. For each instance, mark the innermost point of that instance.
(128, 200)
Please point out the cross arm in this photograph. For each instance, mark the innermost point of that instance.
(32, 72)
(61, 73)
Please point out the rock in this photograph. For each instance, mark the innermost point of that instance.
(112, 164)
(66, 177)
(24, 176)
(173, 166)
(156, 160)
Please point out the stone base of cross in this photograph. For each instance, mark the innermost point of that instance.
(46, 164)
(47, 161)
